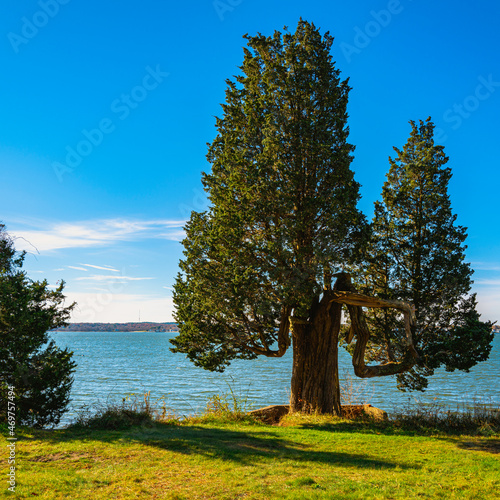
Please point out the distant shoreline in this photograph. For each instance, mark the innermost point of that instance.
(138, 327)
(119, 327)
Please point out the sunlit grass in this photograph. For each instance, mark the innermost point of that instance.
(225, 454)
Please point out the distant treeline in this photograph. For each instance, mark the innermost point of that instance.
(119, 327)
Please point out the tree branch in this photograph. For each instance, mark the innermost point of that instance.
(359, 328)
(283, 338)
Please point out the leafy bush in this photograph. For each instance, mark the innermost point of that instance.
(132, 411)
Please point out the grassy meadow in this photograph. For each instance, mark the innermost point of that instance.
(126, 454)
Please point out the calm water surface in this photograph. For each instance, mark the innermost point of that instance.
(113, 365)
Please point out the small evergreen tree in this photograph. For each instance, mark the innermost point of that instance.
(418, 255)
(39, 371)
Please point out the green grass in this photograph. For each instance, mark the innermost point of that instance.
(307, 457)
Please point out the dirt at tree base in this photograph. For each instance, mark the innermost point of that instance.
(273, 414)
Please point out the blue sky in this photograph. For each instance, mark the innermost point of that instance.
(107, 108)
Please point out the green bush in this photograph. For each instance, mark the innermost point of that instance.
(132, 411)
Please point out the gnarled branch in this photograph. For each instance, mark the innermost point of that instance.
(355, 301)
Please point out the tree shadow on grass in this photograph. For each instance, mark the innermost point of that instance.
(238, 446)
(483, 444)
(391, 428)
(357, 426)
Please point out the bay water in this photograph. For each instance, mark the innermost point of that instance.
(114, 365)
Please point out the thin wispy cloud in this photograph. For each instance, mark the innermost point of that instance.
(94, 233)
(487, 282)
(78, 268)
(102, 268)
(173, 235)
(113, 277)
(485, 266)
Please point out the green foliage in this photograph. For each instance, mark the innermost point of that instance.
(131, 412)
(39, 371)
(229, 407)
(418, 255)
(225, 408)
(283, 214)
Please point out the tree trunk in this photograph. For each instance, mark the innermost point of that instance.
(315, 381)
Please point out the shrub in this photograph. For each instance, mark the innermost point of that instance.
(132, 411)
